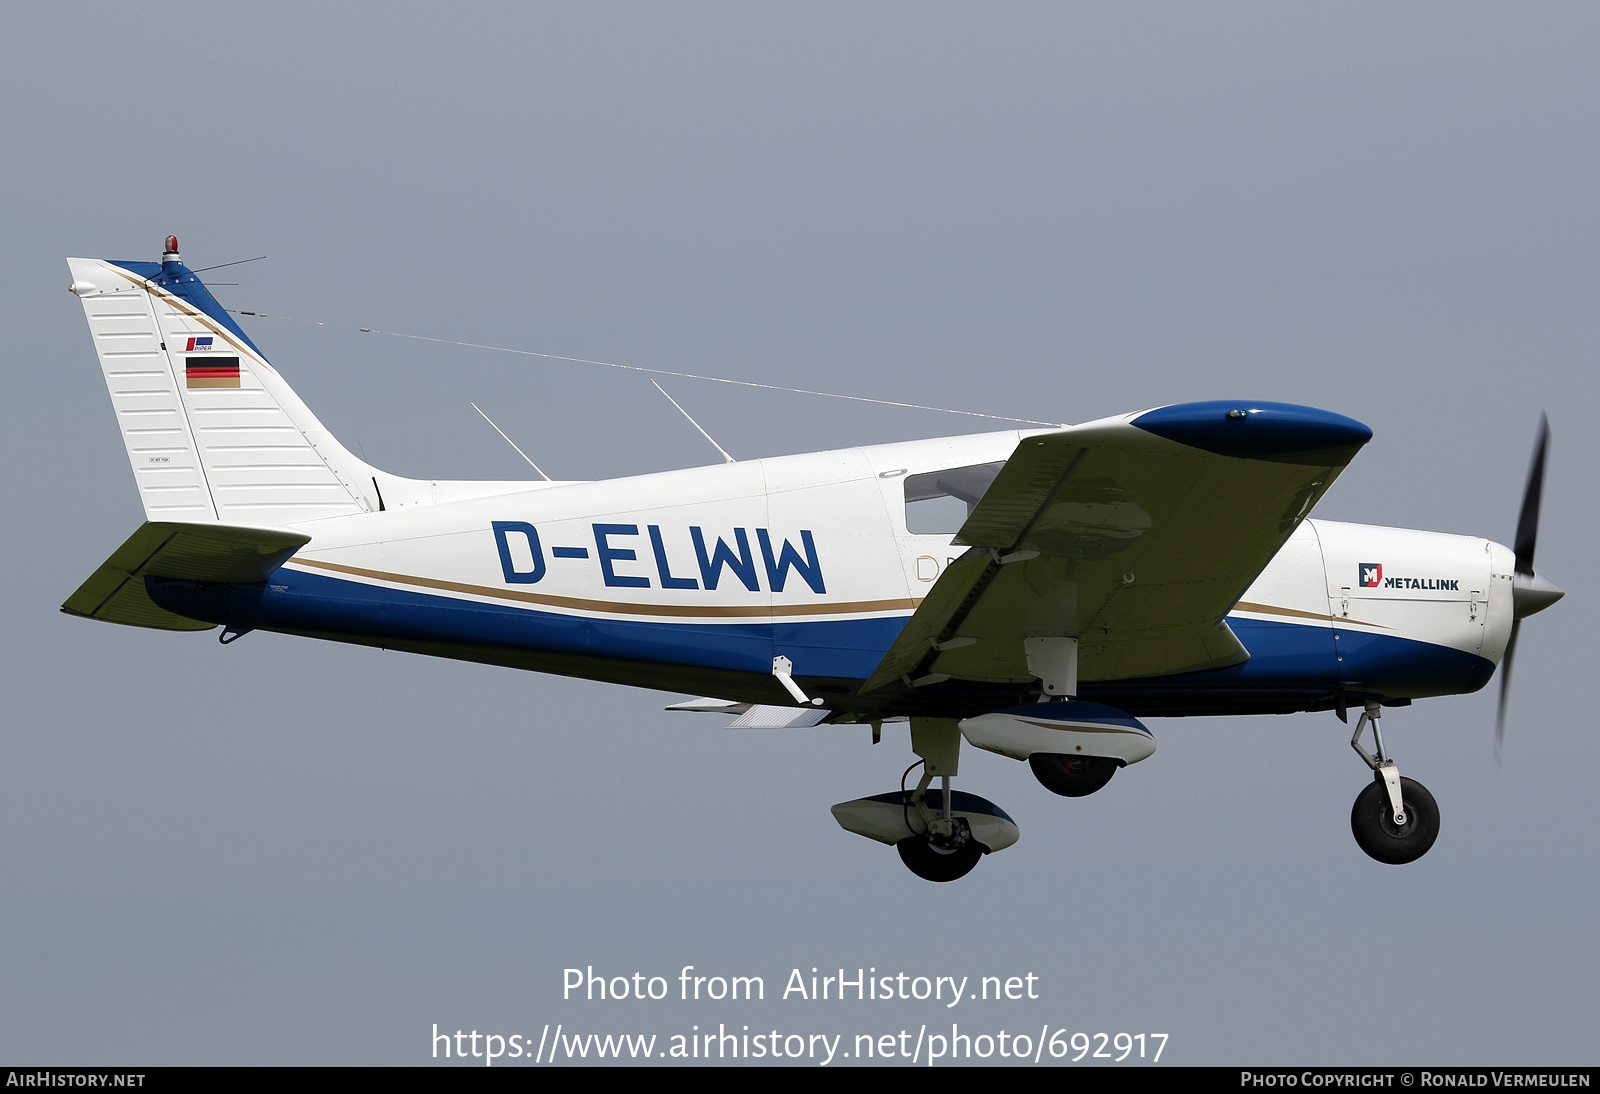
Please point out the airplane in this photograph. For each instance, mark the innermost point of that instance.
(1031, 592)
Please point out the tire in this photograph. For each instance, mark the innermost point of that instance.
(1071, 776)
(932, 862)
(1372, 822)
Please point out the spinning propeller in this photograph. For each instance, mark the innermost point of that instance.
(1530, 593)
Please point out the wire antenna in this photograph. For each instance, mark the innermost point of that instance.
(511, 442)
(660, 371)
(220, 265)
(694, 423)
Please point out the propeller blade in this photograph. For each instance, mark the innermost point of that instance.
(1528, 520)
(1505, 688)
(1527, 540)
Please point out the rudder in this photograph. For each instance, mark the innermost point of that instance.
(212, 432)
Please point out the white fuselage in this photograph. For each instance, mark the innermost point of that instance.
(811, 557)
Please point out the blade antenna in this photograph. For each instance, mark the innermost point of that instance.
(511, 442)
(694, 423)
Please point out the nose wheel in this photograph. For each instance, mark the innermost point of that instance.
(1394, 820)
(1372, 822)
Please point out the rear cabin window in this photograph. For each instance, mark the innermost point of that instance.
(938, 502)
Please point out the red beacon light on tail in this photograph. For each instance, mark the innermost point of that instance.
(171, 247)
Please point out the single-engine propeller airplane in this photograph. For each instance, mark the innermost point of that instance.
(1034, 592)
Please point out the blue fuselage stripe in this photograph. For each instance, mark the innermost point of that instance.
(1282, 655)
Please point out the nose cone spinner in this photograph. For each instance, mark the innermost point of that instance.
(1532, 593)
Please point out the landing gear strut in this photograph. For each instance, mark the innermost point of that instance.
(1394, 820)
(942, 857)
(942, 848)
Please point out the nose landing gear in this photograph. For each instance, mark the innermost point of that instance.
(1373, 824)
(1394, 820)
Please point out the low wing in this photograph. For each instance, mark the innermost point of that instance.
(115, 593)
(1136, 535)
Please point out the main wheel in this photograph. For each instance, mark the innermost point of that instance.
(935, 862)
(1372, 822)
(1071, 776)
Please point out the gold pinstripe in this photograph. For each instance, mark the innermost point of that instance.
(614, 607)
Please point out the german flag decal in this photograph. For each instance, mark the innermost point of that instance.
(211, 371)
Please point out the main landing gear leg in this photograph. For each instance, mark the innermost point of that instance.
(945, 849)
(1394, 820)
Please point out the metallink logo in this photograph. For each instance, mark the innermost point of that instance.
(1371, 577)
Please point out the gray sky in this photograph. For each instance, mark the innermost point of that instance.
(286, 852)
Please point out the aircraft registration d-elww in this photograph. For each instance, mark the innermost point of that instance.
(1032, 591)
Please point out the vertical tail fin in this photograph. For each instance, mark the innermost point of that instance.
(212, 431)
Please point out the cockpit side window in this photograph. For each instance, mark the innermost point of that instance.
(939, 502)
